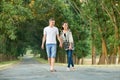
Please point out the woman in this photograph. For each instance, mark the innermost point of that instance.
(67, 40)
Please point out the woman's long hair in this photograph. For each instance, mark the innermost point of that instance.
(63, 24)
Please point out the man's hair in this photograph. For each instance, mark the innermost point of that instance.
(51, 19)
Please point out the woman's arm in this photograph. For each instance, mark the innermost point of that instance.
(70, 40)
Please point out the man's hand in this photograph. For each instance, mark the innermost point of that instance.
(43, 41)
(42, 46)
(60, 40)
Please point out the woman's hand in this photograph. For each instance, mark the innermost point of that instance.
(60, 44)
(70, 47)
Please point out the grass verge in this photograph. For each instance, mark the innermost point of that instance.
(41, 60)
(7, 64)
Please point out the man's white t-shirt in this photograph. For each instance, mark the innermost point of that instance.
(51, 33)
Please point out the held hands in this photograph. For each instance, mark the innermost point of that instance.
(60, 45)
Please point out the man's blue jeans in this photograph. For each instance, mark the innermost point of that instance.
(69, 56)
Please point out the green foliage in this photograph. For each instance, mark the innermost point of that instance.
(11, 14)
(22, 23)
(79, 28)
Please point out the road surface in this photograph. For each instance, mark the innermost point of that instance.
(30, 69)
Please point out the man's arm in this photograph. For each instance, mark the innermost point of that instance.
(43, 41)
(59, 39)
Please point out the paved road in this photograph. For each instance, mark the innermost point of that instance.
(30, 69)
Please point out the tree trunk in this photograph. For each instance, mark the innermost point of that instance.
(112, 58)
(119, 55)
(58, 58)
(93, 46)
(101, 59)
(78, 61)
(116, 37)
(82, 60)
(0, 57)
(103, 56)
(65, 58)
(93, 54)
(114, 18)
(74, 59)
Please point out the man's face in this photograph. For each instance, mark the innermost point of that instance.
(52, 22)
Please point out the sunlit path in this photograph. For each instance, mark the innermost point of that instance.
(30, 69)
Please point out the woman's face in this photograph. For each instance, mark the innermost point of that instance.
(65, 26)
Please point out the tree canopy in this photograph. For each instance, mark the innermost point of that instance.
(94, 24)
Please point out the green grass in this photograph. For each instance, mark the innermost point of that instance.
(8, 62)
(87, 63)
(41, 60)
(12, 61)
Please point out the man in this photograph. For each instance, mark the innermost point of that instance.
(49, 35)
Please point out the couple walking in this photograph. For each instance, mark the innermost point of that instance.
(65, 40)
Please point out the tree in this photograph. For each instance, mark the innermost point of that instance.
(12, 12)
